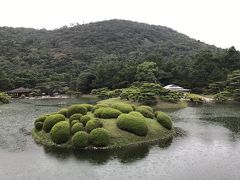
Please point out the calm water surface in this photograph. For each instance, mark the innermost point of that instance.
(210, 150)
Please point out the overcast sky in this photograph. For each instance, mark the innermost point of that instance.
(211, 21)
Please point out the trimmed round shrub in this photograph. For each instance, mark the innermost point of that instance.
(132, 124)
(74, 122)
(77, 127)
(38, 126)
(63, 111)
(89, 107)
(93, 124)
(136, 114)
(123, 107)
(97, 106)
(51, 120)
(99, 137)
(80, 139)
(74, 109)
(41, 119)
(145, 112)
(106, 113)
(164, 120)
(148, 108)
(77, 116)
(60, 132)
(84, 119)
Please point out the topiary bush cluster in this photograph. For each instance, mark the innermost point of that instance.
(107, 113)
(77, 127)
(93, 124)
(60, 133)
(80, 139)
(123, 107)
(51, 120)
(164, 120)
(78, 108)
(99, 137)
(145, 112)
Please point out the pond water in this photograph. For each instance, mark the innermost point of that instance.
(210, 150)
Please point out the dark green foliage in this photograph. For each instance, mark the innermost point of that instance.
(97, 106)
(80, 139)
(60, 132)
(123, 107)
(146, 72)
(77, 116)
(133, 124)
(4, 98)
(77, 127)
(74, 109)
(84, 119)
(89, 107)
(107, 113)
(93, 124)
(51, 120)
(74, 122)
(233, 84)
(99, 137)
(222, 96)
(164, 120)
(63, 111)
(38, 126)
(145, 112)
(41, 119)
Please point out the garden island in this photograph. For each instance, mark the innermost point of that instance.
(105, 125)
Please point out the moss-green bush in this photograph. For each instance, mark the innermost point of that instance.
(107, 113)
(80, 139)
(63, 111)
(77, 116)
(51, 120)
(41, 119)
(164, 119)
(38, 126)
(123, 107)
(136, 114)
(60, 132)
(99, 137)
(74, 109)
(148, 108)
(145, 112)
(77, 127)
(74, 122)
(93, 124)
(84, 119)
(132, 124)
(97, 106)
(89, 107)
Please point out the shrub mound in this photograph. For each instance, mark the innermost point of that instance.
(136, 114)
(77, 127)
(77, 116)
(132, 124)
(80, 139)
(93, 124)
(41, 119)
(99, 137)
(148, 108)
(60, 132)
(164, 120)
(74, 109)
(38, 126)
(145, 112)
(63, 111)
(97, 106)
(123, 107)
(74, 122)
(51, 120)
(107, 113)
(89, 107)
(84, 119)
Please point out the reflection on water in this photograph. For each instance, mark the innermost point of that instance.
(210, 150)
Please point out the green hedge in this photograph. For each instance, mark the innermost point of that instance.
(60, 132)
(164, 119)
(148, 108)
(74, 109)
(41, 119)
(74, 122)
(77, 127)
(80, 139)
(145, 112)
(99, 137)
(77, 116)
(123, 107)
(89, 107)
(63, 111)
(136, 114)
(97, 106)
(84, 119)
(93, 124)
(51, 120)
(38, 126)
(132, 124)
(107, 113)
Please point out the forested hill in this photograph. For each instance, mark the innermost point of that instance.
(65, 56)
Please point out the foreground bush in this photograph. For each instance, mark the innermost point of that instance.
(97, 106)
(74, 109)
(136, 114)
(123, 107)
(38, 126)
(107, 113)
(80, 139)
(60, 132)
(93, 124)
(41, 119)
(164, 120)
(132, 124)
(145, 112)
(51, 120)
(63, 111)
(77, 127)
(74, 122)
(89, 107)
(148, 108)
(99, 137)
(77, 116)
(84, 119)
